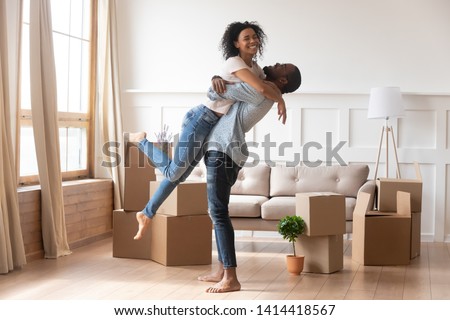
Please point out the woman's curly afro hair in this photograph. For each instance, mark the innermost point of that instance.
(231, 35)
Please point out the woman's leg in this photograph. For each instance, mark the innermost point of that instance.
(197, 125)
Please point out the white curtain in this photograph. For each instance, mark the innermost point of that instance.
(108, 89)
(45, 127)
(12, 253)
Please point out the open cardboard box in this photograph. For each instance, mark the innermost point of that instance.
(323, 212)
(387, 190)
(382, 238)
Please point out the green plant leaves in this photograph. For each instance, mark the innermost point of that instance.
(290, 227)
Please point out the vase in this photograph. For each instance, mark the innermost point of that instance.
(295, 264)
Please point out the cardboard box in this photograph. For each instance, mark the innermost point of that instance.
(382, 238)
(323, 212)
(125, 227)
(188, 198)
(185, 240)
(415, 234)
(387, 192)
(323, 254)
(138, 172)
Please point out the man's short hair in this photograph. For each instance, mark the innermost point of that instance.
(294, 81)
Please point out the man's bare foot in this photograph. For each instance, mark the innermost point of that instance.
(212, 277)
(225, 286)
(137, 136)
(143, 222)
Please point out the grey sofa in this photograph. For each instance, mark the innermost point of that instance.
(262, 194)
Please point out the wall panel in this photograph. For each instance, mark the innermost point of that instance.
(421, 136)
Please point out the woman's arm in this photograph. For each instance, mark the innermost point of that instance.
(266, 88)
(245, 75)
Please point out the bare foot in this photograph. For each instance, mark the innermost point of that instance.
(143, 222)
(137, 136)
(212, 277)
(225, 286)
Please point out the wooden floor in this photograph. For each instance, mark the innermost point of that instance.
(91, 272)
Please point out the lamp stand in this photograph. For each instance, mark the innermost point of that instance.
(391, 131)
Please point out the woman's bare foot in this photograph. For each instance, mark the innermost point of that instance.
(225, 286)
(143, 222)
(137, 136)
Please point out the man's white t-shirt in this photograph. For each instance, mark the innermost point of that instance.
(232, 65)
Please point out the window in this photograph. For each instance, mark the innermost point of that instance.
(72, 47)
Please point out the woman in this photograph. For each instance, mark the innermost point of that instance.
(240, 44)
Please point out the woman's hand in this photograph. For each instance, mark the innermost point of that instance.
(219, 85)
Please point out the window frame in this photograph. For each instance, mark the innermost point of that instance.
(66, 119)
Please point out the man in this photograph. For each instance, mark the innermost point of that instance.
(226, 154)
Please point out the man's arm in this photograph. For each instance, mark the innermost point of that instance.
(219, 86)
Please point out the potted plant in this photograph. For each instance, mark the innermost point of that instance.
(291, 227)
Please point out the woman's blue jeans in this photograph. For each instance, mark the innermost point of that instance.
(222, 173)
(197, 124)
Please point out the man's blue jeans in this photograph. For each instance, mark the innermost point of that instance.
(222, 173)
(197, 124)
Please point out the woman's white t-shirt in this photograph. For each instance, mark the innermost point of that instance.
(232, 65)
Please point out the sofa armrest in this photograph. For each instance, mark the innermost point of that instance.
(369, 187)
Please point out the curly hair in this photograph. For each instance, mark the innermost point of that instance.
(231, 35)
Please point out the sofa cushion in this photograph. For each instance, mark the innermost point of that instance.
(350, 204)
(246, 206)
(277, 208)
(345, 180)
(253, 180)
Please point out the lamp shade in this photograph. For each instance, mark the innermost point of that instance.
(385, 102)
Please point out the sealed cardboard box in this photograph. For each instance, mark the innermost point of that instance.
(125, 227)
(188, 198)
(382, 238)
(323, 254)
(185, 240)
(138, 171)
(387, 192)
(323, 212)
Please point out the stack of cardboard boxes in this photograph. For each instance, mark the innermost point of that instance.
(322, 243)
(179, 234)
(389, 235)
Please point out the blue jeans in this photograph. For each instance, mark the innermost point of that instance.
(197, 124)
(222, 173)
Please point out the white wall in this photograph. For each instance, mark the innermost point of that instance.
(169, 50)
(340, 45)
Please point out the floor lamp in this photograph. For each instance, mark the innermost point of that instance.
(385, 103)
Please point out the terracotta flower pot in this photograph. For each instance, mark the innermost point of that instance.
(295, 264)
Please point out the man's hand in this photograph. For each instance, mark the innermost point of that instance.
(282, 111)
(219, 85)
(281, 104)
